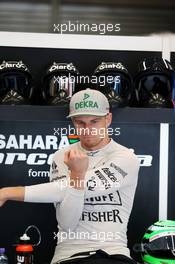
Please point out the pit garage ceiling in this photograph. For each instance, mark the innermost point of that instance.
(134, 16)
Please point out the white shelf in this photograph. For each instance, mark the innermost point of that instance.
(73, 41)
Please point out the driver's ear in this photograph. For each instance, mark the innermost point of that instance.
(109, 119)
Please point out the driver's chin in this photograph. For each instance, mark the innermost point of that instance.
(90, 141)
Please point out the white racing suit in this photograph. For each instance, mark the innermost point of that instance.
(96, 217)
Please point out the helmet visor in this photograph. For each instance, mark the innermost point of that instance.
(155, 84)
(15, 81)
(58, 85)
(117, 85)
(162, 247)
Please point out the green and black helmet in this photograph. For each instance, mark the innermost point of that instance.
(158, 243)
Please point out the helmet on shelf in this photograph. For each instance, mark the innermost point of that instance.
(158, 243)
(60, 83)
(154, 83)
(16, 84)
(114, 80)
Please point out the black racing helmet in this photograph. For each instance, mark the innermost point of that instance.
(114, 80)
(154, 83)
(60, 83)
(16, 84)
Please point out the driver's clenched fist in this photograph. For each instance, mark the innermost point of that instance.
(77, 161)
